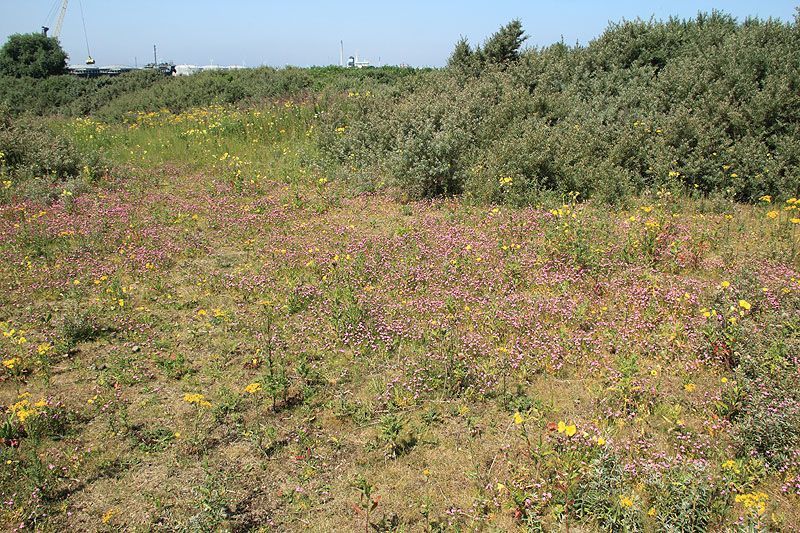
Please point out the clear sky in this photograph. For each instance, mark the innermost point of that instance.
(307, 32)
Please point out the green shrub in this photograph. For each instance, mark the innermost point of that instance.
(77, 327)
(32, 150)
(707, 105)
(32, 55)
(597, 497)
(686, 499)
(768, 418)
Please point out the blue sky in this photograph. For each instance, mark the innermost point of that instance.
(303, 33)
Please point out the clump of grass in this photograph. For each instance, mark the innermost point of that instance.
(76, 327)
(395, 436)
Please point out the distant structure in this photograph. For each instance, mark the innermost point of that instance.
(167, 69)
(93, 72)
(59, 21)
(187, 70)
(353, 62)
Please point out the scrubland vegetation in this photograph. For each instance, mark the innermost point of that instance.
(539, 290)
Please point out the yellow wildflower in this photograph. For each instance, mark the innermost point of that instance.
(196, 398)
(744, 304)
(625, 501)
(108, 515)
(753, 501)
(731, 465)
(253, 388)
(44, 348)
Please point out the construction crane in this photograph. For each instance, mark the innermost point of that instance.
(89, 61)
(60, 23)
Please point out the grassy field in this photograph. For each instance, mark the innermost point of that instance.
(220, 335)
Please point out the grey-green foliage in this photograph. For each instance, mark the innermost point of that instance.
(111, 98)
(768, 420)
(707, 105)
(686, 499)
(38, 157)
(597, 496)
(31, 149)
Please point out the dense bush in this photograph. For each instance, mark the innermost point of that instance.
(707, 104)
(111, 98)
(42, 96)
(32, 55)
(40, 161)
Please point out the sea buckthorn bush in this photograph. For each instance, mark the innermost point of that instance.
(708, 105)
(112, 98)
(40, 161)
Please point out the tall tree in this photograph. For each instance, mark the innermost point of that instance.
(32, 55)
(504, 45)
(462, 54)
